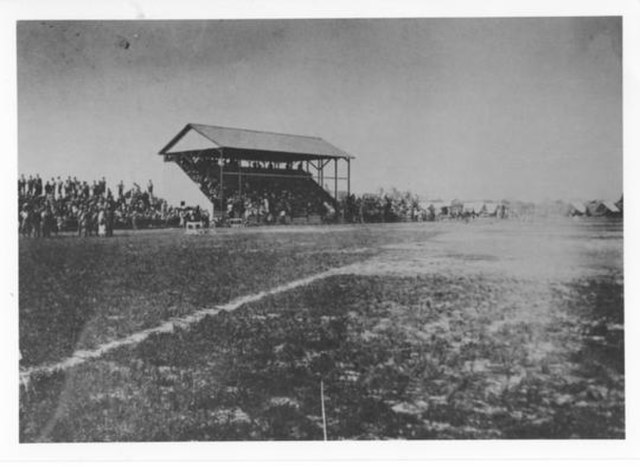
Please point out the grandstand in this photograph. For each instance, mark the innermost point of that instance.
(261, 175)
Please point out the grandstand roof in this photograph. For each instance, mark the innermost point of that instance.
(251, 144)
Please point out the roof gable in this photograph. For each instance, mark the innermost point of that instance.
(251, 140)
(193, 140)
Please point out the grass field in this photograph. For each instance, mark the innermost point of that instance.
(435, 330)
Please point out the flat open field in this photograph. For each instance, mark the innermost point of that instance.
(430, 330)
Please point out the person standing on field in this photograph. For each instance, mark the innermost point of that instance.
(25, 220)
(36, 222)
(102, 223)
(82, 222)
(110, 217)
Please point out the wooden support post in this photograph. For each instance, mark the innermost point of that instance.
(348, 177)
(335, 179)
(221, 194)
(209, 178)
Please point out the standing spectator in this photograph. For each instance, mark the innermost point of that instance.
(102, 223)
(47, 222)
(25, 220)
(59, 222)
(205, 219)
(150, 188)
(36, 222)
(38, 186)
(110, 217)
(67, 187)
(30, 186)
(134, 220)
(82, 222)
(94, 219)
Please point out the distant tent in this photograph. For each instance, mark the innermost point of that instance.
(576, 208)
(474, 207)
(592, 208)
(437, 206)
(603, 209)
(456, 207)
(491, 208)
(478, 207)
(424, 205)
(611, 206)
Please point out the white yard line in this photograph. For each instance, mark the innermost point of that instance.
(81, 356)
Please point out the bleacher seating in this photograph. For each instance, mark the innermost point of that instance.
(289, 190)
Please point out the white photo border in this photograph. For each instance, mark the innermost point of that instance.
(362, 451)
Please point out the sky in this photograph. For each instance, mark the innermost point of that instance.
(478, 108)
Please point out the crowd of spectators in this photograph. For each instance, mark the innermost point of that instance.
(288, 193)
(393, 206)
(397, 206)
(263, 193)
(271, 201)
(55, 205)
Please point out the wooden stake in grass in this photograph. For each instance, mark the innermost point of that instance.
(324, 417)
